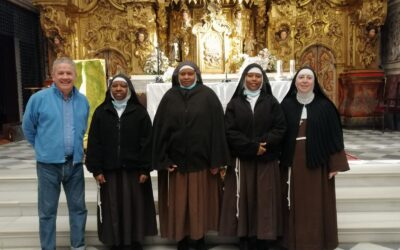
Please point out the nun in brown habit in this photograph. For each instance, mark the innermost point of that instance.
(255, 126)
(313, 153)
(189, 146)
(119, 156)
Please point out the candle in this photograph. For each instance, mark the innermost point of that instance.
(292, 67)
(279, 67)
(155, 39)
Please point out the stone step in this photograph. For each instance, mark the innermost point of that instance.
(349, 199)
(20, 232)
(368, 199)
(25, 203)
(370, 174)
(369, 226)
(362, 173)
(28, 182)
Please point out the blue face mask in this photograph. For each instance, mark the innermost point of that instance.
(188, 87)
(251, 93)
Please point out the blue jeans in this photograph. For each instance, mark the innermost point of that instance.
(50, 177)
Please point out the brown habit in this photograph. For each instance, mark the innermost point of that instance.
(311, 222)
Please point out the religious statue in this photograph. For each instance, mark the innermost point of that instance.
(186, 20)
(143, 46)
(367, 45)
(282, 37)
(282, 33)
(58, 46)
(238, 23)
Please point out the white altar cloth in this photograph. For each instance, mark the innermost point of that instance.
(224, 91)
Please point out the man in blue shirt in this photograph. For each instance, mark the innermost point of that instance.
(55, 122)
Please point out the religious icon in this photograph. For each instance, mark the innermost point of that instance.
(283, 33)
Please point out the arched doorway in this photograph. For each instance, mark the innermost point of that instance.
(322, 60)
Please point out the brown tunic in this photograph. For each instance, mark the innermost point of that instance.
(127, 209)
(259, 213)
(311, 221)
(188, 204)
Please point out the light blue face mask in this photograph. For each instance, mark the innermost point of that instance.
(248, 92)
(188, 87)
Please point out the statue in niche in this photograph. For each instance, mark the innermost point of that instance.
(282, 34)
(56, 47)
(282, 40)
(367, 44)
(186, 20)
(175, 51)
(249, 45)
(372, 32)
(143, 46)
(238, 22)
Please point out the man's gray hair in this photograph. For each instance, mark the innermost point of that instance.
(66, 60)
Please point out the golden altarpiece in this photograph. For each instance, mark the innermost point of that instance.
(332, 36)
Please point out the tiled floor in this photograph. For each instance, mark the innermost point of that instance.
(372, 144)
(362, 144)
(17, 159)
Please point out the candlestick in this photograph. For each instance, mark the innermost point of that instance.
(158, 77)
(292, 67)
(279, 67)
(155, 39)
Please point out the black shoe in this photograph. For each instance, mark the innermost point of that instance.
(137, 246)
(243, 243)
(200, 244)
(183, 244)
(252, 243)
(263, 244)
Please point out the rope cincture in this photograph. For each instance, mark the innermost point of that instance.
(288, 182)
(168, 189)
(99, 202)
(237, 173)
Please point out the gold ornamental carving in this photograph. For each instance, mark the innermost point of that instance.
(126, 32)
(370, 18)
(330, 35)
(211, 39)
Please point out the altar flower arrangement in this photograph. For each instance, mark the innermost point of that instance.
(150, 66)
(269, 60)
(264, 58)
(167, 77)
(236, 61)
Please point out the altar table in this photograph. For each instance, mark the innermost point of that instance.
(224, 91)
